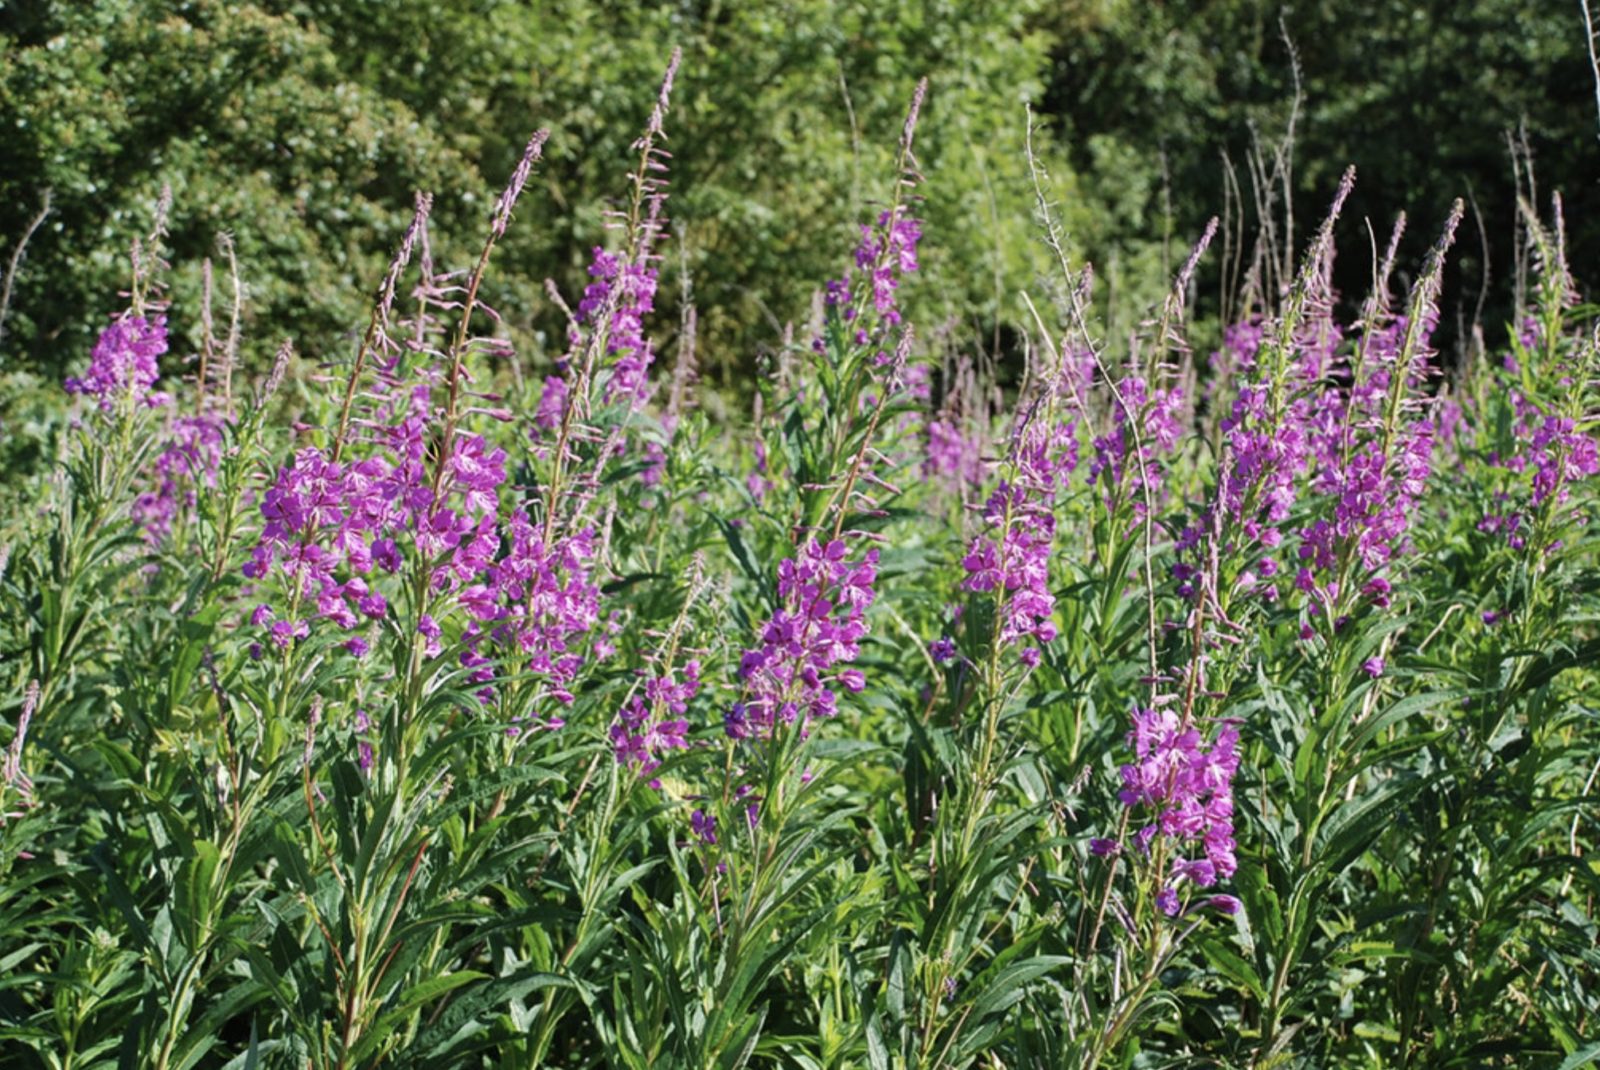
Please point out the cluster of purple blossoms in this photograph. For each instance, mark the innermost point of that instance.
(621, 295)
(1188, 788)
(613, 307)
(187, 462)
(1374, 446)
(1016, 561)
(885, 254)
(1371, 466)
(1264, 453)
(333, 527)
(789, 678)
(536, 603)
(953, 457)
(322, 518)
(1015, 557)
(1267, 453)
(123, 364)
(651, 724)
(552, 407)
(1557, 453)
(607, 339)
(1115, 458)
(1560, 454)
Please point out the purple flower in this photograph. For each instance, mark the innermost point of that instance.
(123, 364)
(1560, 455)
(652, 723)
(886, 252)
(188, 462)
(823, 598)
(1187, 789)
(615, 304)
(1373, 667)
(1115, 460)
(942, 650)
(1225, 903)
(1016, 562)
(284, 632)
(1373, 443)
(535, 603)
(704, 826)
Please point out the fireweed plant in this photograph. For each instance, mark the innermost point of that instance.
(1118, 706)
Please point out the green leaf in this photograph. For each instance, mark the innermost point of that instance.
(381, 1032)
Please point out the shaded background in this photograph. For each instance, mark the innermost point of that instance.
(303, 127)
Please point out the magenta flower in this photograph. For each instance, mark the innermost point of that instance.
(1016, 561)
(704, 826)
(886, 253)
(186, 464)
(1187, 788)
(823, 595)
(652, 723)
(123, 364)
(1115, 459)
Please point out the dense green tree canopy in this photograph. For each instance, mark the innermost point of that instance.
(303, 128)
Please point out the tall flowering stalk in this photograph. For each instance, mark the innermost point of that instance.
(1552, 448)
(1266, 447)
(1175, 833)
(93, 485)
(609, 347)
(188, 470)
(803, 654)
(1374, 461)
(420, 502)
(124, 366)
(1008, 566)
(16, 788)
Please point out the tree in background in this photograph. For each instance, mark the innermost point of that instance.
(1419, 95)
(304, 127)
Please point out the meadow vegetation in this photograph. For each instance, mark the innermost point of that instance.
(430, 696)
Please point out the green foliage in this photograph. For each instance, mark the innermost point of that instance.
(1420, 97)
(304, 127)
(487, 821)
